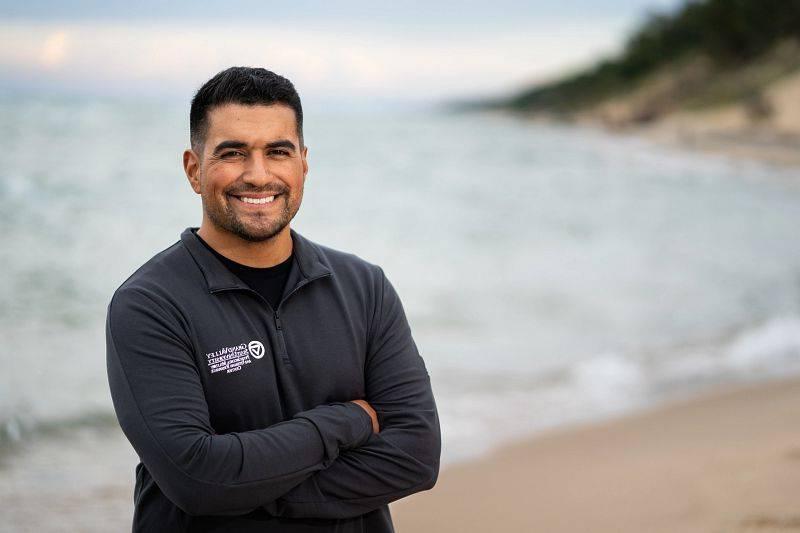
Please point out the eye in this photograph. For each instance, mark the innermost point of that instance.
(231, 153)
(280, 152)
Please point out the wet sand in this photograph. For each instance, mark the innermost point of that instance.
(726, 462)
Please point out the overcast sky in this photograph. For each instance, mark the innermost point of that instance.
(351, 49)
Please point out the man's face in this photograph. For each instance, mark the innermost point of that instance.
(250, 153)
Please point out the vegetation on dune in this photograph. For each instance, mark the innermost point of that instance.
(726, 35)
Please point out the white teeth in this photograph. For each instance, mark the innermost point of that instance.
(256, 200)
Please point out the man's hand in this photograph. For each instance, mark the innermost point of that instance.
(371, 412)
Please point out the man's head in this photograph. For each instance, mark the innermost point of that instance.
(247, 145)
(246, 86)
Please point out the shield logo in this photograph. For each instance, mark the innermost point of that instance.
(256, 349)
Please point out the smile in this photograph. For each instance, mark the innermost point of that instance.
(256, 201)
(249, 200)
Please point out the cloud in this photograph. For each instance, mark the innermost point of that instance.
(357, 61)
(54, 49)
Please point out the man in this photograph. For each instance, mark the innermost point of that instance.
(267, 382)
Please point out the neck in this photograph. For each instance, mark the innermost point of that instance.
(260, 254)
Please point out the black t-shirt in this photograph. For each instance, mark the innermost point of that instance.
(268, 281)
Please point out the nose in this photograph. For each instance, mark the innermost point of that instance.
(257, 171)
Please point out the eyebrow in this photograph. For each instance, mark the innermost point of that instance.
(281, 143)
(228, 144)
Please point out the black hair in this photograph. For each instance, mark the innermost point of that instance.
(241, 85)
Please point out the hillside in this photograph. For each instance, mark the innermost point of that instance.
(722, 73)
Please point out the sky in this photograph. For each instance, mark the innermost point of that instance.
(357, 50)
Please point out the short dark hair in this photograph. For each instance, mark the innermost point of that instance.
(241, 85)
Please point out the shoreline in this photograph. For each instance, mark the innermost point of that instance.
(686, 132)
(727, 460)
(729, 130)
(763, 146)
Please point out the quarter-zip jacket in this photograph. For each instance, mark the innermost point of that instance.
(241, 414)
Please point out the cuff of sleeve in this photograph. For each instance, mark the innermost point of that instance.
(341, 425)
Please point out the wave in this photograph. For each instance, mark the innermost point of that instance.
(480, 410)
(15, 431)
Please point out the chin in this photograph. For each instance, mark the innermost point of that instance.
(256, 235)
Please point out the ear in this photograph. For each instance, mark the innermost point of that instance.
(305, 161)
(191, 166)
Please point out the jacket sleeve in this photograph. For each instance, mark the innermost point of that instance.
(160, 404)
(403, 458)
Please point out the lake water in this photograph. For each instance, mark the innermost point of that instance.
(550, 273)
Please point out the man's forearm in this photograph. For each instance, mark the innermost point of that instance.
(363, 479)
(400, 460)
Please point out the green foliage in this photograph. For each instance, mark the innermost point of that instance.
(729, 32)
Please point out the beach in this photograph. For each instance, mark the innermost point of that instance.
(606, 275)
(589, 215)
(727, 461)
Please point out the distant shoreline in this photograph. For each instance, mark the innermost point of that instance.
(699, 133)
(765, 147)
(692, 78)
(694, 134)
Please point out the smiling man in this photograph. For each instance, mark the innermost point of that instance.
(266, 382)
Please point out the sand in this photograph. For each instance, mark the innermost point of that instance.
(726, 462)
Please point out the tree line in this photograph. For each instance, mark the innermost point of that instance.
(728, 32)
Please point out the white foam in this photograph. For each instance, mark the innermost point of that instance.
(476, 419)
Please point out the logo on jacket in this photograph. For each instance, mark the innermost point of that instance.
(230, 359)
(256, 349)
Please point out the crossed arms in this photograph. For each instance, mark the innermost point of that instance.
(324, 462)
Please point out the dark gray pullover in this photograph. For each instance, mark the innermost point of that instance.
(240, 413)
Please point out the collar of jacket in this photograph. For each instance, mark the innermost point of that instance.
(218, 277)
